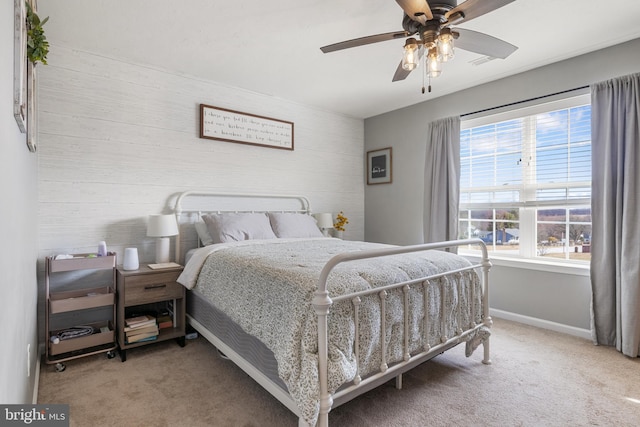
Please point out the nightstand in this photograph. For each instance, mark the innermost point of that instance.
(148, 291)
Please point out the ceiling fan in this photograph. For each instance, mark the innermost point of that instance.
(433, 23)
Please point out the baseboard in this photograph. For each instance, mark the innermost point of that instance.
(541, 323)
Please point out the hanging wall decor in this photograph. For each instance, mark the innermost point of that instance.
(32, 112)
(234, 126)
(379, 166)
(30, 47)
(20, 64)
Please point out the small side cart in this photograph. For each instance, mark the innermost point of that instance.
(68, 334)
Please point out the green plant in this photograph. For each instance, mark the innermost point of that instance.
(37, 44)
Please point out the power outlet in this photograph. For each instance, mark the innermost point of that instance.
(28, 360)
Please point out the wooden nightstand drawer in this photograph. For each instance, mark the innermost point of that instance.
(151, 288)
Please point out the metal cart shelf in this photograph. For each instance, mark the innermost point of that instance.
(98, 337)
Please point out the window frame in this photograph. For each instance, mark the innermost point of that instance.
(528, 247)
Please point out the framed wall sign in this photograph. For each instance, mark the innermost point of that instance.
(379, 166)
(235, 126)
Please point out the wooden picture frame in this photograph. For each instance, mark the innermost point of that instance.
(32, 110)
(379, 166)
(234, 126)
(20, 65)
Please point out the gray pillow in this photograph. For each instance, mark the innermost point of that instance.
(203, 233)
(292, 225)
(235, 227)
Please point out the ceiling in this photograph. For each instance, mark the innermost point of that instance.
(273, 47)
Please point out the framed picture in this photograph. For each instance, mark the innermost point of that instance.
(32, 110)
(244, 128)
(379, 166)
(20, 64)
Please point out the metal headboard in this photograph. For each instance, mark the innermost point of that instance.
(195, 202)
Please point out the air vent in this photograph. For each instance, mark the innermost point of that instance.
(482, 60)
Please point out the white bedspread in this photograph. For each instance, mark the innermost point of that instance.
(266, 286)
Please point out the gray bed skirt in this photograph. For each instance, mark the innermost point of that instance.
(247, 346)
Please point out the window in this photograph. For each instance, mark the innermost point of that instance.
(525, 181)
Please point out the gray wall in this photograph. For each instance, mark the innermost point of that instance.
(394, 211)
(18, 227)
(558, 300)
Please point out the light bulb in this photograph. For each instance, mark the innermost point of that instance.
(445, 45)
(410, 55)
(434, 67)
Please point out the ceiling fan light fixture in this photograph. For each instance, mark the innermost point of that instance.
(445, 45)
(431, 24)
(410, 57)
(429, 35)
(434, 67)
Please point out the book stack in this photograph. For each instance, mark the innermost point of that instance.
(165, 321)
(141, 329)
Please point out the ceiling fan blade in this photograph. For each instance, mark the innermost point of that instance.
(401, 73)
(364, 40)
(473, 8)
(483, 44)
(418, 10)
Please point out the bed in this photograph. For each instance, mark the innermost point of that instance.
(316, 320)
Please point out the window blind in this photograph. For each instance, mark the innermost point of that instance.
(541, 159)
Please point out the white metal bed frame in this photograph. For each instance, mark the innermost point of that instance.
(322, 303)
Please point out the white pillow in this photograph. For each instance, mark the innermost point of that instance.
(234, 227)
(288, 225)
(203, 233)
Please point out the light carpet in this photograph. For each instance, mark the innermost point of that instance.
(538, 378)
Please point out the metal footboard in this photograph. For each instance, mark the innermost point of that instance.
(322, 303)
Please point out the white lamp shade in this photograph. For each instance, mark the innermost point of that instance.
(325, 220)
(162, 226)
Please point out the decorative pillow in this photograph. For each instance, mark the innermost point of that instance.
(234, 227)
(203, 233)
(287, 225)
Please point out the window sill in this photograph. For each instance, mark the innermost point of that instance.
(577, 268)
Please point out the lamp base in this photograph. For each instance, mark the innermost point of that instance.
(163, 245)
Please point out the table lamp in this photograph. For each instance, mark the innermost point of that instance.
(325, 222)
(162, 226)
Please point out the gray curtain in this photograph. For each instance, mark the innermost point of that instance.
(615, 210)
(442, 180)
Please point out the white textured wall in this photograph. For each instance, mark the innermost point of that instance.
(18, 228)
(119, 140)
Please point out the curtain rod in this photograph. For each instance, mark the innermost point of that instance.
(526, 100)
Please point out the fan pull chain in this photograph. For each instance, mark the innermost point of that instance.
(423, 74)
(426, 71)
(428, 86)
